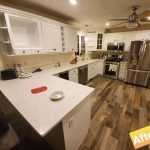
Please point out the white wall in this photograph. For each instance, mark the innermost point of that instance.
(1, 63)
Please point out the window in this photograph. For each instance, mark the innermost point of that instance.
(99, 40)
(78, 47)
(83, 44)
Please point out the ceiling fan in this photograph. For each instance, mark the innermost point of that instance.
(134, 19)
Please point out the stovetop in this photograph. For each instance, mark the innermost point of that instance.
(114, 59)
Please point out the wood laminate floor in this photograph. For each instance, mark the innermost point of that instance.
(117, 109)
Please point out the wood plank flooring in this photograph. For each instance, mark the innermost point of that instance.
(117, 109)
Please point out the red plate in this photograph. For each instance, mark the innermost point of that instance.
(38, 90)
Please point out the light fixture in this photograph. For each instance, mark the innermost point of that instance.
(107, 24)
(132, 25)
(148, 17)
(73, 2)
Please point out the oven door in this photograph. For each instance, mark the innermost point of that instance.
(111, 70)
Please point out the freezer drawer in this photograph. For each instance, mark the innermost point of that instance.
(137, 77)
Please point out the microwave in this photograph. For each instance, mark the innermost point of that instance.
(116, 46)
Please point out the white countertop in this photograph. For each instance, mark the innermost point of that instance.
(42, 113)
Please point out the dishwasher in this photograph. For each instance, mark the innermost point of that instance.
(83, 74)
(64, 75)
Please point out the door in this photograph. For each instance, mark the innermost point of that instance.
(137, 77)
(52, 37)
(142, 78)
(135, 53)
(144, 63)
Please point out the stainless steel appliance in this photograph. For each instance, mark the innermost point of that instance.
(64, 75)
(112, 67)
(116, 46)
(83, 75)
(138, 71)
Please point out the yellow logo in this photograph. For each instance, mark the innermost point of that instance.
(140, 137)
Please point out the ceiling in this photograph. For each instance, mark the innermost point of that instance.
(94, 13)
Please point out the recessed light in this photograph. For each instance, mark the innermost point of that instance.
(73, 2)
(107, 24)
(148, 17)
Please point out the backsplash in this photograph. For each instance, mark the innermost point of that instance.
(33, 61)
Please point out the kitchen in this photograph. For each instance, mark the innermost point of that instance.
(88, 85)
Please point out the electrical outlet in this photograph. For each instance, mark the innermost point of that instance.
(70, 122)
(25, 63)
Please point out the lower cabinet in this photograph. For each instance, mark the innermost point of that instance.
(100, 67)
(95, 68)
(76, 125)
(122, 70)
(73, 75)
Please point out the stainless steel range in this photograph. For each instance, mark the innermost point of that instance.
(112, 67)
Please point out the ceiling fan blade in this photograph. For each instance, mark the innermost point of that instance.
(119, 24)
(118, 20)
(144, 14)
(144, 20)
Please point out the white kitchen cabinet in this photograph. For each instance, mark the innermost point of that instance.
(73, 75)
(52, 37)
(92, 41)
(76, 125)
(25, 34)
(135, 35)
(122, 70)
(70, 37)
(100, 67)
(92, 70)
(114, 37)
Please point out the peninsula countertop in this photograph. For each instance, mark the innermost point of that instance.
(38, 109)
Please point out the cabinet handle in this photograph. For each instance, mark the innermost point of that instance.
(23, 51)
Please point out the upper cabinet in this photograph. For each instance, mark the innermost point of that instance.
(114, 37)
(70, 37)
(52, 37)
(25, 34)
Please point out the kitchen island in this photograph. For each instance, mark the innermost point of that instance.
(72, 112)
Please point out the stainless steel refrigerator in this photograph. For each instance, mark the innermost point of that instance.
(138, 71)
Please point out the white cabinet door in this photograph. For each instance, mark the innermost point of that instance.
(25, 34)
(115, 37)
(122, 70)
(92, 41)
(73, 75)
(70, 39)
(90, 71)
(100, 67)
(52, 37)
(76, 124)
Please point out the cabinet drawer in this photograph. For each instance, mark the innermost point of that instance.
(73, 72)
(37, 51)
(22, 52)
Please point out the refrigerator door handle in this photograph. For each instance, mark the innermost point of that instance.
(135, 70)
